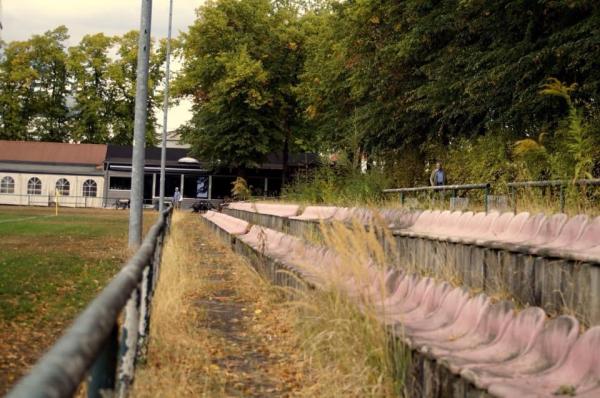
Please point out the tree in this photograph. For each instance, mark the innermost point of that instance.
(122, 75)
(34, 88)
(89, 64)
(241, 64)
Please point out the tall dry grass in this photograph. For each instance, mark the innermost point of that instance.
(351, 353)
(174, 358)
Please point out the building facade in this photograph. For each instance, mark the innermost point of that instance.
(92, 175)
(45, 173)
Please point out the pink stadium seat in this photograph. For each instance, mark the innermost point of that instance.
(431, 301)
(317, 213)
(410, 302)
(516, 339)
(457, 227)
(245, 206)
(276, 209)
(403, 289)
(548, 350)
(424, 222)
(491, 324)
(548, 231)
(499, 225)
(466, 227)
(579, 371)
(467, 320)
(479, 226)
(448, 311)
(569, 234)
(231, 225)
(530, 229)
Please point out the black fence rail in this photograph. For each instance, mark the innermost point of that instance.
(95, 343)
(487, 188)
(562, 184)
(452, 188)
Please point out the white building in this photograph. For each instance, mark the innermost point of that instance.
(41, 173)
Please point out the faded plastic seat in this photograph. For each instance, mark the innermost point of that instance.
(403, 288)
(530, 229)
(276, 209)
(516, 339)
(477, 221)
(400, 219)
(468, 318)
(579, 372)
(448, 311)
(512, 230)
(499, 225)
(456, 227)
(476, 228)
(589, 238)
(231, 225)
(569, 234)
(424, 222)
(411, 301)
(490, 325)
(432, 299)
(548, 350)
(245, 206)
(549, 231)
(316, 213)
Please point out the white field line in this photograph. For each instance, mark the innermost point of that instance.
(25, 218)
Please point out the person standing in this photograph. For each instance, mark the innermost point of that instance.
(438, 176)
(177, 198)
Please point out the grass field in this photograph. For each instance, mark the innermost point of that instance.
(50, 268)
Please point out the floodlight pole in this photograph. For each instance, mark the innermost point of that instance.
(139, 128)
(163, 152)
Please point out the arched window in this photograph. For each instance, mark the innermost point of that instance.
(90, 188)
(34, 186)
(7, 185)
(63, 186)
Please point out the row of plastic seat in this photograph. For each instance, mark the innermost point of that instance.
(394, 218)
(509, 353)
(576, 238)
(231, 225)
(558, 235)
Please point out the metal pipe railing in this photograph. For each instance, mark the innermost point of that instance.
(513, 186)
(454, 188)
(91, 342)
(562, 184)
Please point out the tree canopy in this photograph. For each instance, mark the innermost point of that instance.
(50, 92)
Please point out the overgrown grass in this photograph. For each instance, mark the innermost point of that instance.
(339, 325)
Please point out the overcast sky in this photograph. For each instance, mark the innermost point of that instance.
(23, 18)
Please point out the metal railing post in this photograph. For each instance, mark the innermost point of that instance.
(485, 199)
(402, 198)
(104, 371)
(562, 198)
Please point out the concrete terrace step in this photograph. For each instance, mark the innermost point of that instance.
(491, 347)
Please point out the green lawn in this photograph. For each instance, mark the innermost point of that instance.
(50, 268)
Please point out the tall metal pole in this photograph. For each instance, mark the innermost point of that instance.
(163, 152)
(139, 129)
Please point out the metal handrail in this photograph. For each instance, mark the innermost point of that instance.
(454, 188)
(91, 342)
(549, 183)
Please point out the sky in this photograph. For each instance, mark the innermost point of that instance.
(23, 18)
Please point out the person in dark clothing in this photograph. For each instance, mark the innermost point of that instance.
(438, 176)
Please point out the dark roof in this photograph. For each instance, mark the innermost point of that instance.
(52, 152)
(123, 154)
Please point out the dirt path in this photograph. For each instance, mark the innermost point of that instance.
(233, 338)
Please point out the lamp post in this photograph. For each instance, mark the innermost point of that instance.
(139, 128)
(163, 151)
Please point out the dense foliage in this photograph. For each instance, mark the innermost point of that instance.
(53, 93)
(497, 90)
